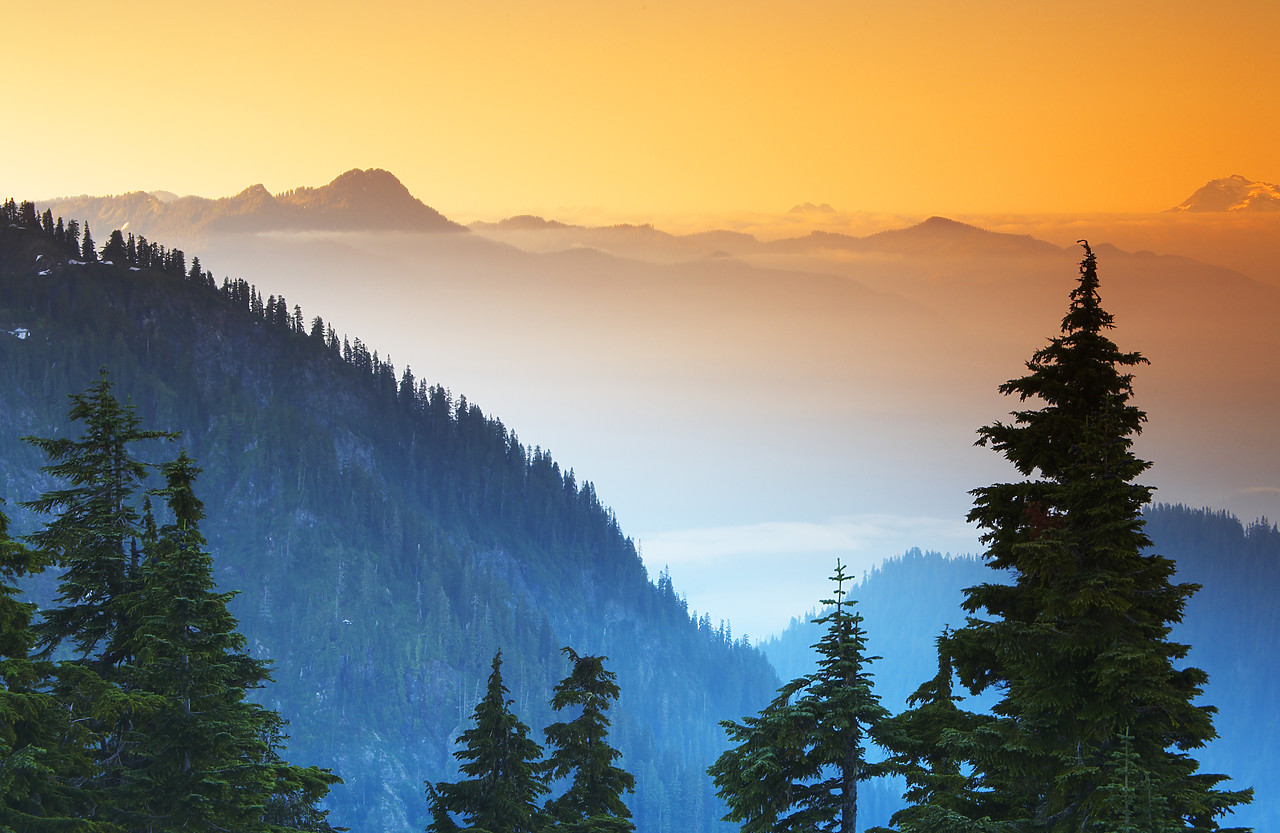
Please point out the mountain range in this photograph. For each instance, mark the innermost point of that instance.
(386, 539)
(375, 200)
(358, 200)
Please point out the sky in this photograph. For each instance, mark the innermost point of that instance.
(679, 114)
(646, 110)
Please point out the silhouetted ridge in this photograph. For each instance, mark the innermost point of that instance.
(358, 200)
(935, 236)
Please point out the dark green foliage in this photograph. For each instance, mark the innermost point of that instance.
(909, 600)
(159, 676)
(797, 765)
(202, 757)
(929, 741)
(1077, 646)
(580, 750)
(501, 794)
(41, 753)
(94, 536)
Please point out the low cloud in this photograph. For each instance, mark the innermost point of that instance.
(758, 576)
(874, 534)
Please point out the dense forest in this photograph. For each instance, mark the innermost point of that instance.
(411, 573)
(385, 537)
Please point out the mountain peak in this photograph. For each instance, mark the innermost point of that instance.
(1233, 193)
(373, 181)
(366, 199)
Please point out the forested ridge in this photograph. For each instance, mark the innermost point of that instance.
(386, 537)
(402, 558)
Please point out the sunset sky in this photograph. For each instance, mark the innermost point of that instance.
(649, 109)
(681, 114)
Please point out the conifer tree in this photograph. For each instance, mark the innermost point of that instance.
(580, 750)
(41, 753)
(88, 252)
(158, 674)
(928, 743)
(94, 535)
(200, 760)
(1076, 646)
(501, 794)
(797, 766)
(115, 251)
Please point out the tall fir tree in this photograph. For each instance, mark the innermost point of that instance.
(580, 751)
(157, 674)
(503, 762)
(796, 767)
(95, 533)
(1077, 645)
(94, 537)
(202, 763)
(88, 251)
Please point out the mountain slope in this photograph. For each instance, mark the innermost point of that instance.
(386, 537)
(1233, 193)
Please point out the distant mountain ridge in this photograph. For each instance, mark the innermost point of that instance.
(1233, 193)
(358, 200)
(936, 236)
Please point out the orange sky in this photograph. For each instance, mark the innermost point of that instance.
(649, 109)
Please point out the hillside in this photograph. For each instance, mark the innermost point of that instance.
(386, 536)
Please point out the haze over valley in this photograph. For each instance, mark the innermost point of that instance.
(818, 392)
(520, 350)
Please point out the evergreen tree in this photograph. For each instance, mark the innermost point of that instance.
(159, 676)
(201, 762)
(88, 252)
(796, 767)
(580, 749)
(41, 754)
(115, 251)
(95, 534)
(1077, 645)
(503, 764)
